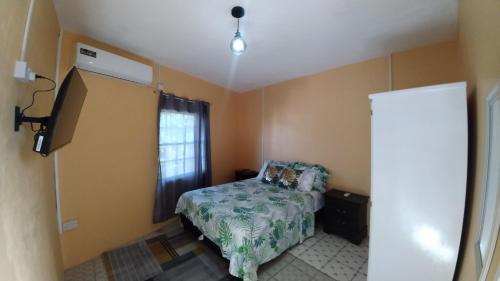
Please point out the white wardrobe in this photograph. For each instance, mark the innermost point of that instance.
(419, 173)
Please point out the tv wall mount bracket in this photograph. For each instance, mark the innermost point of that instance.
(19, 119)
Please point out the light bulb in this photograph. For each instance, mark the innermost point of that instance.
(238, 44)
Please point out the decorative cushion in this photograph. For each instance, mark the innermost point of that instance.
(290, 178)
(260, 176)
(272, 174)
(283, 164)
(306, 180)
(321, 177)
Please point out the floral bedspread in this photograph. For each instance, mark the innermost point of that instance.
(250, 221)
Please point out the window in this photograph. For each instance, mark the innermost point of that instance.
(184, 151)
(177, 155)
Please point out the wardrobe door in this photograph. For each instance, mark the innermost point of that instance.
(419, 170)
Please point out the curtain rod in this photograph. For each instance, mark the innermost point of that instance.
(155, 90)
(182, 98)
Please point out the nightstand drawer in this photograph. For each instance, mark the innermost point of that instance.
(245, 174)
(341, 209)
(341, 225)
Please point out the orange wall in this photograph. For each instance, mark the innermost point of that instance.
(479, 29)
(436, 64)
(108, 173)
(29, 245)
(249, 114)
(426, 66)
(325, 118)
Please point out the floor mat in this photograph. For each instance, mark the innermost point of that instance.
(198, 265)
(140, 261)
(196, 262)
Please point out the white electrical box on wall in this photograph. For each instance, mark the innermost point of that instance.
(23, 73)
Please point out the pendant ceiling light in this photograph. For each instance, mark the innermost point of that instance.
(238, 44)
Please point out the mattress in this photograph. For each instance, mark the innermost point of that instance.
(319, 200)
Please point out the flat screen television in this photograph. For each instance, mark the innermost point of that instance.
(57, 129)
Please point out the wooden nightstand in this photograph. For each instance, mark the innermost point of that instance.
(345, 215)
(245, 174)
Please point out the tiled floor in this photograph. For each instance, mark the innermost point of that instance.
(320, 258)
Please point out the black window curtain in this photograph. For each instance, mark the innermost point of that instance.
(183, 153)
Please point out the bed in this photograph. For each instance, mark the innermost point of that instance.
(250, 221)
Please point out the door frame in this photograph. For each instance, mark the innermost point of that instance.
(483, 269)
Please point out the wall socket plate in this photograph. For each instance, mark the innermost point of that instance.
(23, 73)
(70, 225)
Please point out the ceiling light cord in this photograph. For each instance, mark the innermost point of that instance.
(238, 44)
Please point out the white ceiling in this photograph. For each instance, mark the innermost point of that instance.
(286, 38)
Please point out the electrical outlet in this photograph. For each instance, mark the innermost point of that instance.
(70, 225)
(23, 73)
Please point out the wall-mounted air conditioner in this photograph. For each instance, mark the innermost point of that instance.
(102, 62)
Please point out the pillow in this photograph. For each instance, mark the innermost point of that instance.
(262, 170)
(289, 178)
(260, 176)
(321, 177)
(272, 174)
(306, 180)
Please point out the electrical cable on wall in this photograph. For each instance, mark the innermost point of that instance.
(33, 96)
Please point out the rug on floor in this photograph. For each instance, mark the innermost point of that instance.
(140, 261)
(198, 265)
(196, 262)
